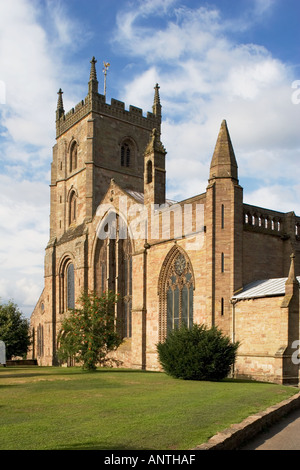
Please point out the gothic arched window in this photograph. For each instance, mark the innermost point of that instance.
(67, 286)
(70, 287)
(113, 269)
(73, 156)
(125, 154)
(40, 340)
(72, 208)
(176, 293)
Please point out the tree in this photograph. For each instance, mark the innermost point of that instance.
(14, 330)
(198, 353)
(88, 333)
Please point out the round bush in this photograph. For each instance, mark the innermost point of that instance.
(198, 353)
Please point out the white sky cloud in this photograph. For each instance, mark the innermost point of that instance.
(212, 78)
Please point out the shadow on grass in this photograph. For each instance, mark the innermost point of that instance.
(39, 371)
(56, 370)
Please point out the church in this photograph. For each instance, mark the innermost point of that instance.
(209, 259)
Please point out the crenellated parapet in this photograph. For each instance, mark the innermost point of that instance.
(115, 109)
(96, 103)
(284, 225)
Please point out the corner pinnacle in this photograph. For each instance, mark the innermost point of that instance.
(93, 73)
(60, 104)
(156, 103)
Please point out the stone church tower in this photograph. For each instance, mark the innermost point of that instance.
(208, 259)
(95, 143)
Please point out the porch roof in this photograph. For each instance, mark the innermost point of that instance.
(263, 288)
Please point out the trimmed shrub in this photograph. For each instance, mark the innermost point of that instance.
(198, 353)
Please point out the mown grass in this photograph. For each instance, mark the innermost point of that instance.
(57, 408)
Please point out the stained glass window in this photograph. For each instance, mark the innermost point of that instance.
(40, 340)
(179, 294)
(113, 270)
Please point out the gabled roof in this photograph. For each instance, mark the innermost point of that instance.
(263, 288)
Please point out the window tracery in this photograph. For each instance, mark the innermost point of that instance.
(67, 285)
(125, 155)
(176, 294)
(113, 270)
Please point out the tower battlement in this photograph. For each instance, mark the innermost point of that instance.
(96, 102)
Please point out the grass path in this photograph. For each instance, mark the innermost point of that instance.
(58, 408)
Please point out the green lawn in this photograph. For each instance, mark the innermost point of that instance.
(59, 408)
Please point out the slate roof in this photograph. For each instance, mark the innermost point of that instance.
(71, 234)
(139, 197)
(263, 288)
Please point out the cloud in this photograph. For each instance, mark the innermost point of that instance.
(261, 7)
(272, 197)
(35, 40)
(24, 216)
(205, 77)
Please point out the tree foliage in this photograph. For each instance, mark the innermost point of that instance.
(88, 333)
(14, 330)
(198, 353)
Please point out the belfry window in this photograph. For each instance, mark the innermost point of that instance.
(176, 295)
(125, 155)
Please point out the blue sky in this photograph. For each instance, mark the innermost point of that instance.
(214, 60)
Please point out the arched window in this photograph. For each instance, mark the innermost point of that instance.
(70, 287)
(125, 154)
(73, 156)
(40, 340)
(149, 171)
(176, 291)
(67, 286)
(113, 269)
(72, 208)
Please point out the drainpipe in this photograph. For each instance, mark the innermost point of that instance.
(233, 302)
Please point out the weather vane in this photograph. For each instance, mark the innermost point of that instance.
(106, 65)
